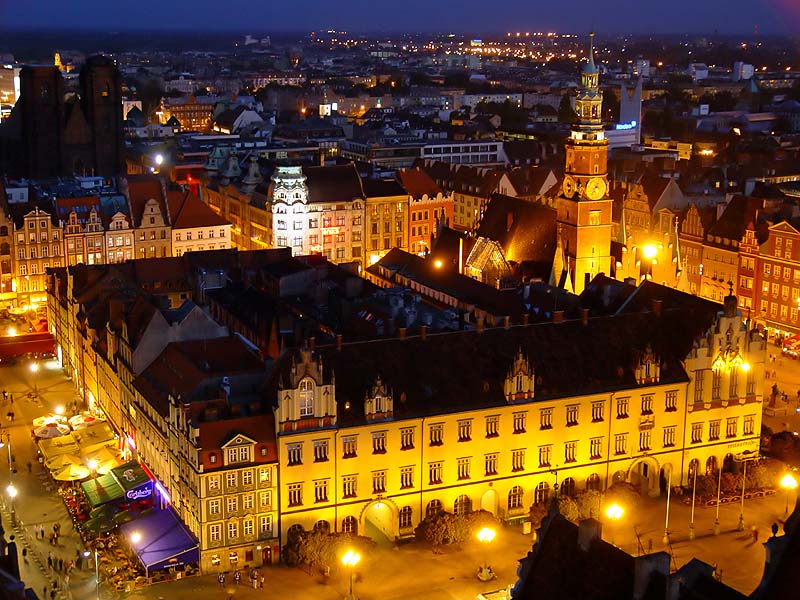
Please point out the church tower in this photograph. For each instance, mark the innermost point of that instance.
(584, 208)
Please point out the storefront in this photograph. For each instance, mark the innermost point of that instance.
(162, 543)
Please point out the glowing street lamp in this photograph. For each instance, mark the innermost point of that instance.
(649, 251)
(485, 537)
(59, 410)
(34, 368)
(350, 559)
(86, 555)
(437, 263)
(788, 483)
(159, 159)
(12, 493)
(614, 512)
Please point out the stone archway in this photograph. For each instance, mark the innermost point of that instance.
(379, 521)
(489, 501)
(644, 474)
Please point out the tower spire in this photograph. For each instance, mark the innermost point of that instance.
(591, 50)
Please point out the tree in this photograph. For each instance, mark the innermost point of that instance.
(566, 114)
(569, 509)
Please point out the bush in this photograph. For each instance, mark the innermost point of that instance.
(569, 508)
(624, 494)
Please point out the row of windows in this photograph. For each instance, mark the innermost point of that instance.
(32, 237)
(715, 426)
(200, 235)
(716, 384)
(775, 271)
(247, 529)
(232, 478)
(232, 503)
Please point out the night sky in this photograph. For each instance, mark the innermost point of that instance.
(477, 16)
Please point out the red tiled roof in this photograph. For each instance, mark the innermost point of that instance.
(418, 183)
(187, 211)
(142, 188)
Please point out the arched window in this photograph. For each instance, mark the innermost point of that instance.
(463, 505)
(405, 515)
(542, 493)
(350, 525)
(295, 531)
(694, 465)
(434, 508)
(519, 383)
(711, 465)
(3, 230)
(322, 526)
(5, 249)
(568, 487)
(515, 498)
(306, 398)
(593, 482)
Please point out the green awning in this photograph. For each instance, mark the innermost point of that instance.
(102, 490)
(130, 475)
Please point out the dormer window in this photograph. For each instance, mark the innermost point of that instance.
(306, 400)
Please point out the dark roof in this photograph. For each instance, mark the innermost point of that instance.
(526, 230)
(187, 211)
(418, 183)
(142, 188)
(732, 224)
(339, 183)
(382, 188)
(466, 370)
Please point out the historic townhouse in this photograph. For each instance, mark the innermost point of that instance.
(148, 204)
(776, 298)
(428, 206)
(84, 239)
(372, 437)
(195, 226)
(385, 218)
(37, 246)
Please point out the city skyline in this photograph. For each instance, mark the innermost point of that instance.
(622, 16)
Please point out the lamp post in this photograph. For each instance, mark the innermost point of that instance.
(788, 483)
(743, 458)
(485, 537)
(719, 490)
(12, 493)
(694, 494)
(86, 555)
(614, 512)
(34, 368)
(666, 521)
(649, 251)
(350, 559)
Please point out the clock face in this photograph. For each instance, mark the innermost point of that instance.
(568, 186)
(596, 188)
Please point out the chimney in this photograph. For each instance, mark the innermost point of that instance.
(525, 318)
(558, 316)
(657, 305)
(423, 332)
(507, 322)
(312, 342)
(338, 341)
(644, 569)
(401, 333)
(589, 530)
(479, 324)
(585, 316)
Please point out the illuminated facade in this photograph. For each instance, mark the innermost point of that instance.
(37, 246)
(366, 446)
(385, 218)
(584, 207)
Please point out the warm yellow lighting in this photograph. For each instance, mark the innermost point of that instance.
(745, 367)
(486, 535)
(437, 263)
(351, 558)
(34, 367)
(789, 482)
(707, 152)
(59, 410)
(12, 331)
(136, 537)
(649, 251)
(159, 159)
(12, 491)
(92, 464)
(615, 512)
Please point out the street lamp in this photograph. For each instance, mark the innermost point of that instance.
(59, 410)
(86, 555)
(743, 457)
(694, 494)
(614, 512)
(788, 483)
(485, 536)
(350, 559)
(719, 487)
(12, 493)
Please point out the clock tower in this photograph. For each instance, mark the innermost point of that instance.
(584, 208)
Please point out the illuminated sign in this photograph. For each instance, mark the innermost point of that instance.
(330, 230)
(625, 126)
(142, 492)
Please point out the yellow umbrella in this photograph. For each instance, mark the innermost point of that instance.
(62, 460)
(47, 419)
(106, 459)
(94, 448)
(64, 444)
(72, 473)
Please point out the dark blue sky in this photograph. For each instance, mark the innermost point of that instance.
(479, 16)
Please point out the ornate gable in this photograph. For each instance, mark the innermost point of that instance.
(306, 400)
(378, 403)
(648, 367)
(520, 380)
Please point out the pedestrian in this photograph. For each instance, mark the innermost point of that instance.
(30, 467)
(237, 576)
(60, 564)
(261, 581)
(755, 534)
(49, 560)
(221, 579)
(79, 563)
(53, 593)
(25, 555)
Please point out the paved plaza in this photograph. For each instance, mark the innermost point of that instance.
(389, 573)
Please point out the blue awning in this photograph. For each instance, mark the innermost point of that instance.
(164, 541)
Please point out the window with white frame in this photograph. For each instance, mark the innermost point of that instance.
(518, 460)
(621, 444)
(596, 448)
(379, 442)
(669, 436)
(572, 415)
(749, 425)
(349, 446)
(294, 454)
(215, 532)
(320, 450)
(545, 452)
(569, 452)
(348, 486)
(406, 438)
(436, 434)
(295, 495)
(464, 430)
(490, 463)
(463, 468)
(731, 427)
(321, 490)
(306, 398)
(492, 422)
(230, 480)
(597, 411)
(406, 477)
(379, 482)
(519, 419)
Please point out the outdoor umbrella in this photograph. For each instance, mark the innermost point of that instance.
(51, 430)
(98, 525)
(124, 517)
(62, 460)
(103, 512)
(85, 418)
(47, 419)
(72, 473)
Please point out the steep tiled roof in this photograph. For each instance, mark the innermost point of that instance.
(187, 211)
(339, 183)
(142, 188)
(731, 225)
(382, 188)
(418, 183)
